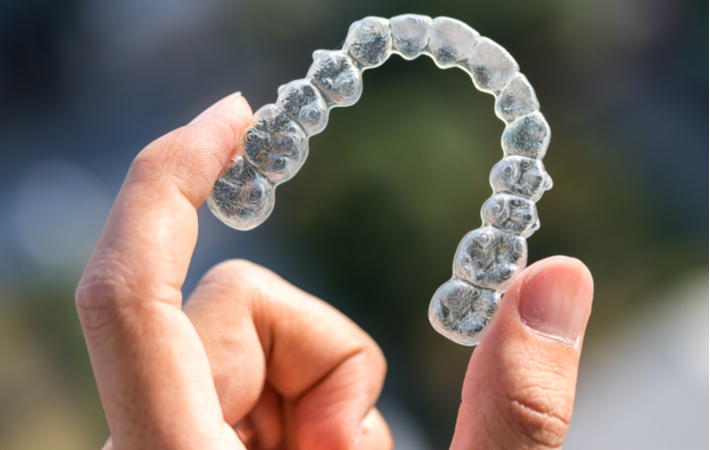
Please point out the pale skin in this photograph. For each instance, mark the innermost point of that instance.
(251, 362)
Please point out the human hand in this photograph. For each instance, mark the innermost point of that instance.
(249, 349)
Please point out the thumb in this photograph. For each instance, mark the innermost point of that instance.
(520, 383)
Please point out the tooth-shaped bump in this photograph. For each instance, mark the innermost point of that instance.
(242, 197)
(460, 311)
(520, 175)
(276, 145)
(304, 103)
(337, 77)
(516, 99)
(450, 41)
(511, 213)
(490, 65)
(490, 258)
(528, 135)
(410, 34)
(369, 42)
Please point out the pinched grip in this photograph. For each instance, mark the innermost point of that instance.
(489, 258)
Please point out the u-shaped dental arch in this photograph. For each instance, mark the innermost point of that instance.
(487, 260)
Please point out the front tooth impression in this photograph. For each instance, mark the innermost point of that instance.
(335, 74)
(450, 41)
(242, 197)
(369, 42)
(275, 144)
(520, 175)
(490, 258)
(304, 103)
(410, 34)
(511, 213)
(490, 65)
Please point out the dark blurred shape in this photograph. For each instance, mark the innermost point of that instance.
(33, 36)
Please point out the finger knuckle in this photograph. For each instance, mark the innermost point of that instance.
(539, 416)
(107, 292)
(103, 286)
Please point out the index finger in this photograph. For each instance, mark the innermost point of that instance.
(152, 226)
(149, 363)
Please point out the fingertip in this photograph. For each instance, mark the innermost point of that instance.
(193, 157)
(556, 299)
(221, 104)
(568, 279)
(221, 126)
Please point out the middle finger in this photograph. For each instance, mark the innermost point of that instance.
(255, 325)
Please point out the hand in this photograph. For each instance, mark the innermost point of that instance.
(253, 362)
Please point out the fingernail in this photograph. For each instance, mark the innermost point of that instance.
(216, 107)
(557, 299)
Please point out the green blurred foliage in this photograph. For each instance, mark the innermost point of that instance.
(48, 397)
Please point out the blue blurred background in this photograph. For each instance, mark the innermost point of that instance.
(372, 221)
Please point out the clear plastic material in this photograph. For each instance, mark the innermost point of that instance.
(488, 258)
(528, 135)
(522, 176)
(410, 34)
(337, 76)
(276, 145)
(516, 215)
(490, 66)
(369, 42)
(516, 99)
(242, 197)
(450, 41)
(304, 103)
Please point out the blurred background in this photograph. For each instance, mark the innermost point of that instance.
(372, 221)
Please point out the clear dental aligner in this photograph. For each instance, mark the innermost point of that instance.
(488, 258)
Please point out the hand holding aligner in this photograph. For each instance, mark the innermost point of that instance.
(488, 258)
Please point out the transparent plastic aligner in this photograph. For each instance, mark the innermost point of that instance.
(487, 259)
(276, 145)
(450, 41)
(410, 34)
(369, 42)
(242, 197)
(337, 77)
(528, 135)
(490, 258)
(516, 99)
(516, 215)
(460, 311)
(490, 65)
(522, 176)
(304, 103)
